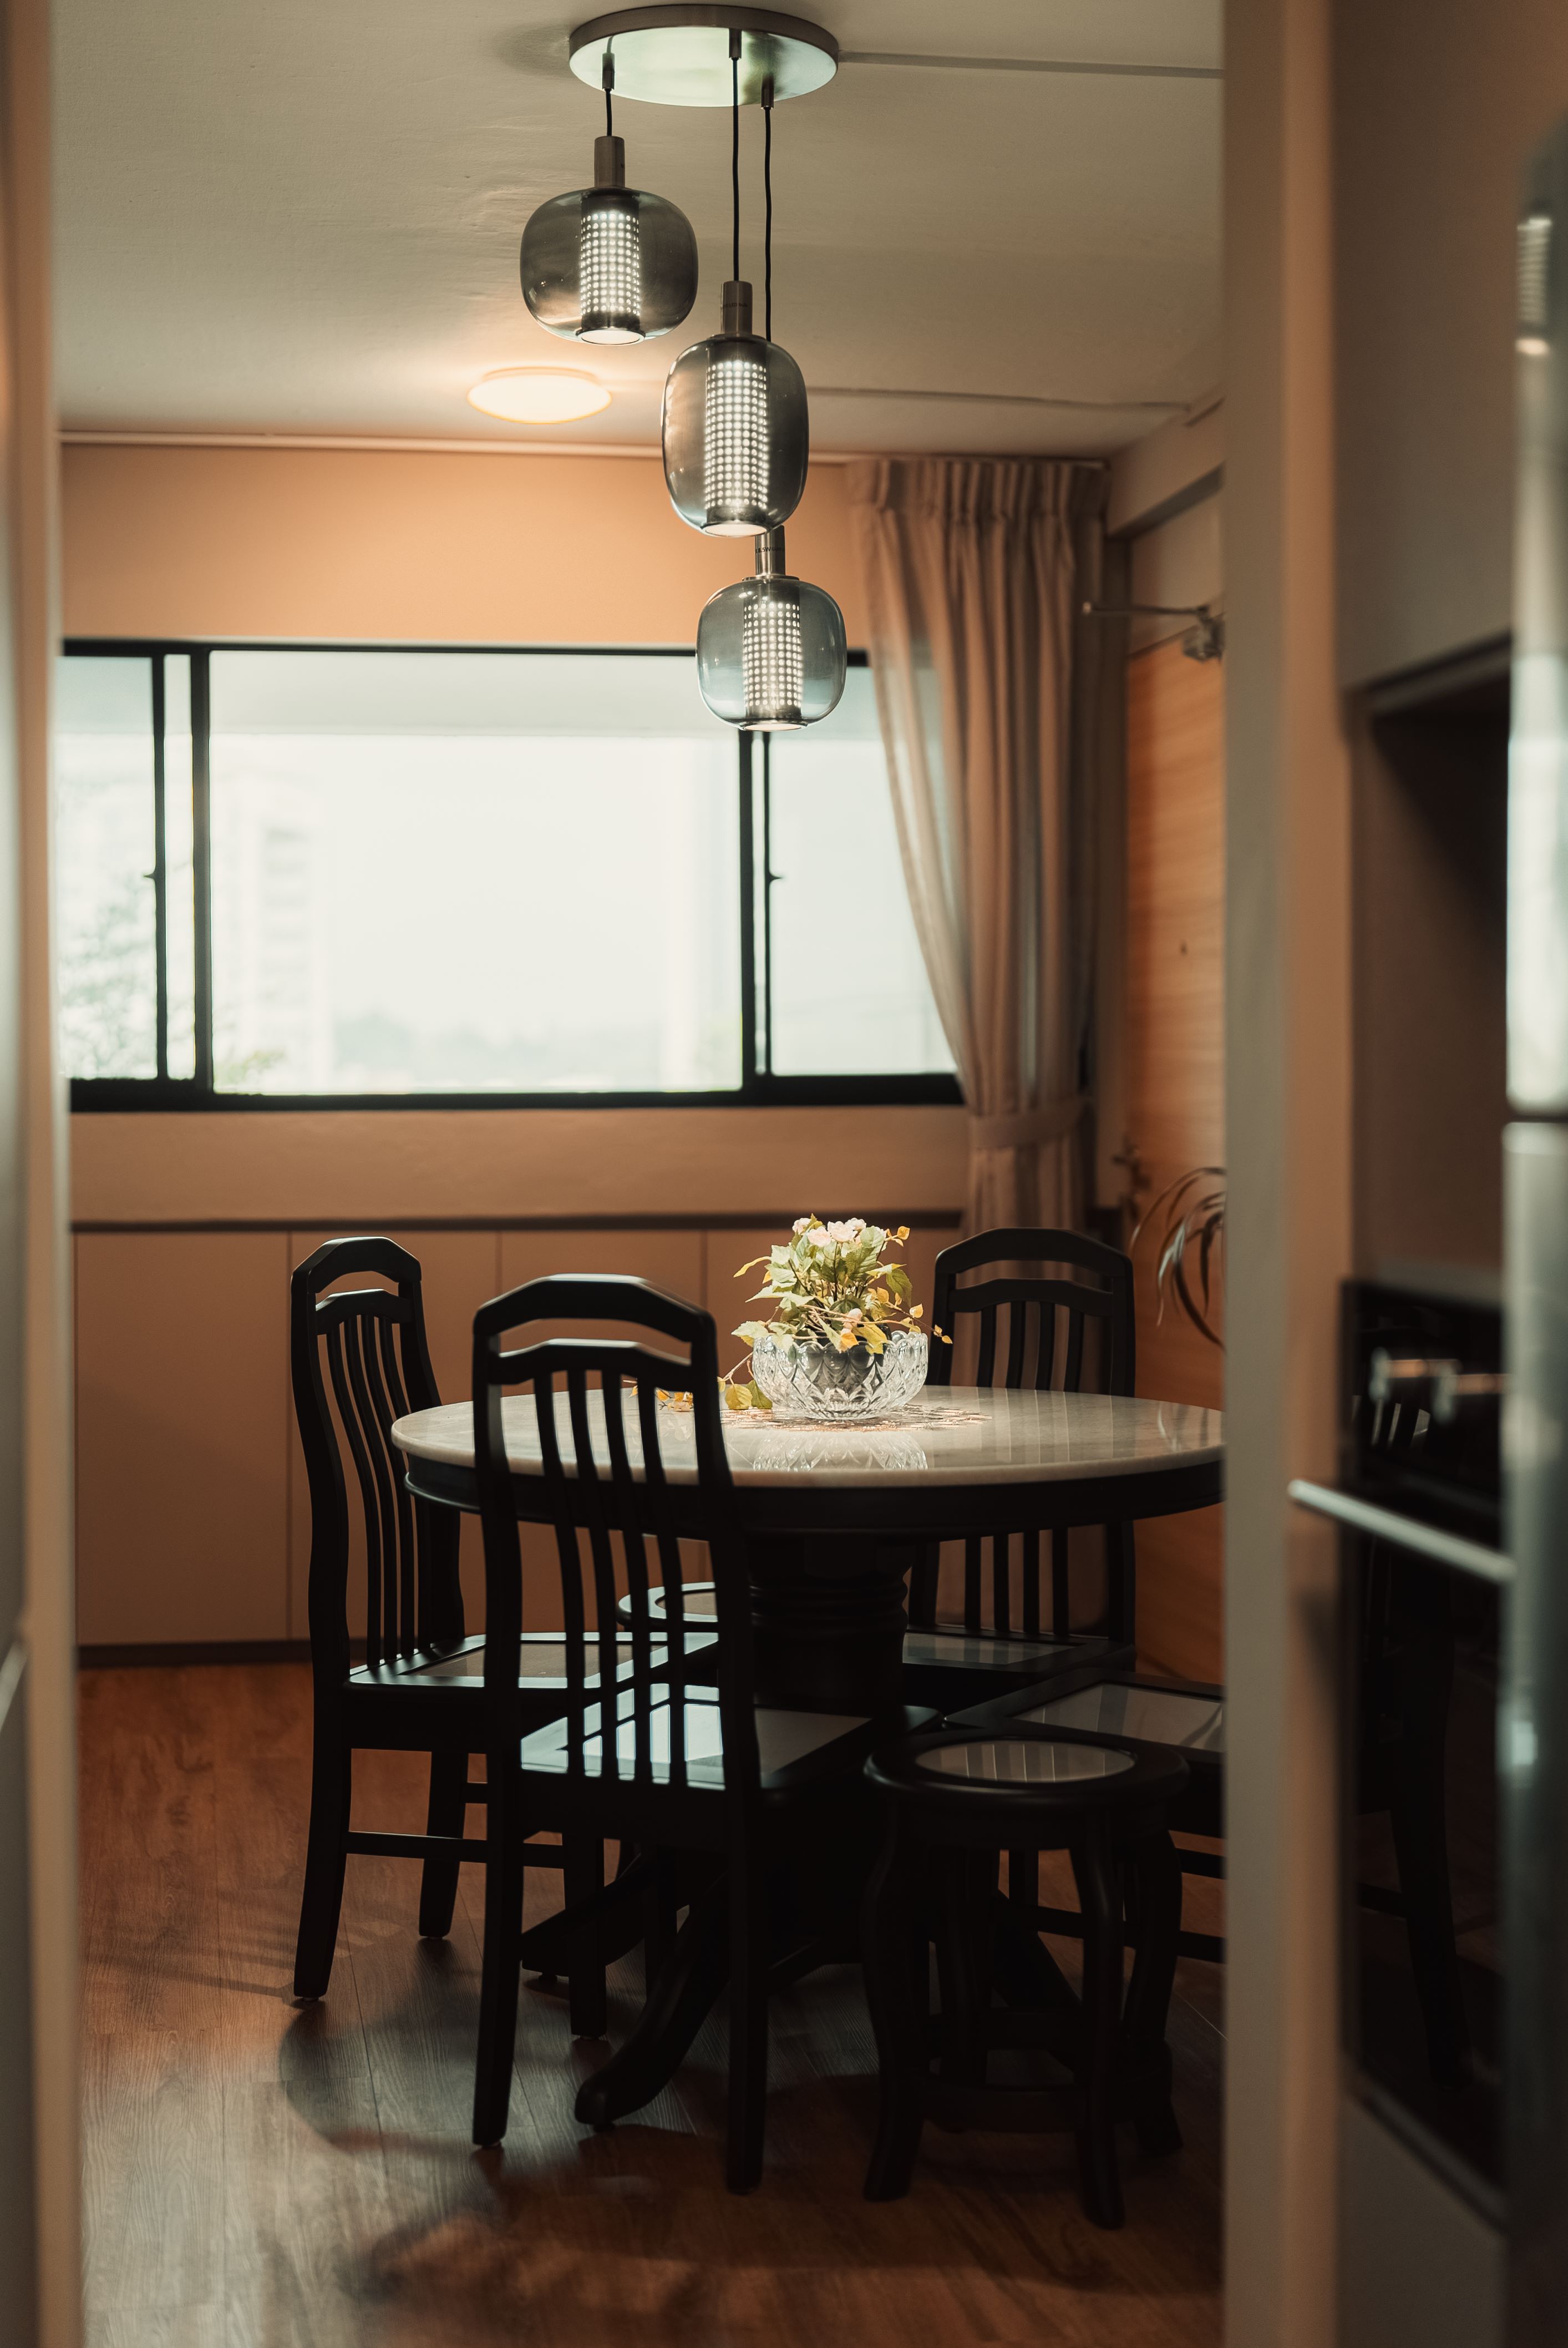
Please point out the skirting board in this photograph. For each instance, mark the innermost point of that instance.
(197, 1651)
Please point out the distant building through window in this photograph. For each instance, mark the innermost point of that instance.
(413, 873)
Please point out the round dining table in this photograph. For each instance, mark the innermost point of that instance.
(833, 1516)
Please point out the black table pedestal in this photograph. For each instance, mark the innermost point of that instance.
(828, 1623)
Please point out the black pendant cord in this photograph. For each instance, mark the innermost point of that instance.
(735, 163)
(609, 79)
(768, 208)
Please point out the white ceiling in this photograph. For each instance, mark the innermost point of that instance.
(303, 217)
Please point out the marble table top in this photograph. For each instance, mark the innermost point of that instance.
(948, 1435)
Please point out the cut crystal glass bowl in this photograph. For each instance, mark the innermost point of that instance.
(799, 1375)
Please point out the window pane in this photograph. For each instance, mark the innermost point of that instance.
(178, 863)
(472, 872)
(108, 948)
(850, 994)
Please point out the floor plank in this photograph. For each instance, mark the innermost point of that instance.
(262, 2176)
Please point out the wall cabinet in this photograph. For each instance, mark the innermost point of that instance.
(182, 1435)
(193, 1520)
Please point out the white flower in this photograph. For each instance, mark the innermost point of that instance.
(853, 1315)
(845, 1234)
(803, 1223)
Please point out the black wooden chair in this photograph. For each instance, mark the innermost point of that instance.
(1186, 1717)
(1399, 1663)
(359, 1361)
(683, 1766)
(954, 1663)
(956, 1799)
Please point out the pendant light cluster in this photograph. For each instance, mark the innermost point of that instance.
(608, 263)
(614, 264)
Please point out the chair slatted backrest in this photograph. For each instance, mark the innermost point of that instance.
(1034, 1305)
(359, 1361)
(604, 1443)
(1042, 1318)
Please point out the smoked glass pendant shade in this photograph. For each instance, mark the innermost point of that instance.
(736, 431)
(771, 650)
(1533, 332)
(608, 263)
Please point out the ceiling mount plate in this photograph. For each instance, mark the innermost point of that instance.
(681, 56)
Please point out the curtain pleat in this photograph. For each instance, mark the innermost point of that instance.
(970, 569)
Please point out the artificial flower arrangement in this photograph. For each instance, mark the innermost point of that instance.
(829, 1287)
(832, 1295)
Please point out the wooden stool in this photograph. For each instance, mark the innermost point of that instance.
(956, 1800)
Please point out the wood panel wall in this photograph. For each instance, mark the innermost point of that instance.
(1175, 1090)
(192, 1512)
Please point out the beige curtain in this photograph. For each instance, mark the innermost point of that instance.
(973, 572)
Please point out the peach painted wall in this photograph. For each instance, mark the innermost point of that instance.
(409, 546)
(432, 547)
(389, 1166)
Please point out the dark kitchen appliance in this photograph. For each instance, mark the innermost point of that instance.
(1422, 1620)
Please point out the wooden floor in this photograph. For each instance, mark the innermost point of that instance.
(262, 2176)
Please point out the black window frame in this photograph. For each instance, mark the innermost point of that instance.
(759, 1086)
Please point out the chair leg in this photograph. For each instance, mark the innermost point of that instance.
(582, 1876)
(499, 1979)
(447, 1815)
(1156, 1870)
(326, 1854)
(966, 1881)
(751, 1953)
(663, 1918)
(1099, 1897)
(890, 1946)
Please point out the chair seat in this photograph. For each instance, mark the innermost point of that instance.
(1148, 1712)
(697, 1600)
(950, 1642)
(1016, 1786)
(802, 1744)
(954, 1668)
(539, 1663)
(1180, 1716)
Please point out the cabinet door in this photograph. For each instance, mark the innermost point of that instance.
(460, 1272)
(671, 1260)
(182, 1387)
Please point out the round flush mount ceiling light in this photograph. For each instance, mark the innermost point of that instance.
(681, 56)
(537, 395)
